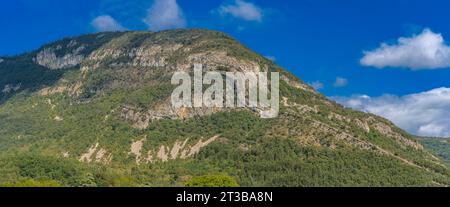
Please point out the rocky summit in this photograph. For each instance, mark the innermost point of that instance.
(95, 110)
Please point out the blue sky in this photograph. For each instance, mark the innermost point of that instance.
(321, 41)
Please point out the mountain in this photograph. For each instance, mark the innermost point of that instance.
(440, 146)
(95, 110)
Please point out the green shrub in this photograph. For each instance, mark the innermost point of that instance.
(212, 181)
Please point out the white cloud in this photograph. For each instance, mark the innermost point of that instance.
(425, 114)
(106, 23)
(242, 10)
(165, 14)
(424, 51)
(340, 82)
(317, 85)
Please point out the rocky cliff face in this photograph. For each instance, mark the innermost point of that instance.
(106, 100)
(48, 58)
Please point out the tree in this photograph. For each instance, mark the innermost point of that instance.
(212, 181)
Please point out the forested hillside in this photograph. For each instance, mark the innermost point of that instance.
(95, 110)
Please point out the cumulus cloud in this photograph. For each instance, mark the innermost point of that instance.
(340, 82)
(427, 50)
(425, 114)
(317, 85)
(165, 14)
(106, 23)
(242, 10)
